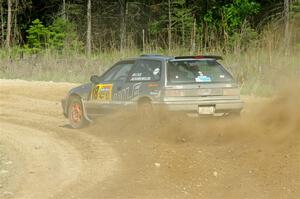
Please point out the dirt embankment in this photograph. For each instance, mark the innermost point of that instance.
(124, 156)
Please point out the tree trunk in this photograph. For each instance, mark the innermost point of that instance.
(170, 27)
(15, 33)
(8, 34)
(193, 37)
(64, 9)
(286, 31)
(182, 32)
(123, 10)
(205, 29)
(89, 29)
(143, 40)
(2, 25)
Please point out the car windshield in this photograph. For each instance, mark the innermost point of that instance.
(196, 71)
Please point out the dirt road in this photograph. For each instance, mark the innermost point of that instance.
(257, 156)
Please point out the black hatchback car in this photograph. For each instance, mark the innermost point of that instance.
(197, 85)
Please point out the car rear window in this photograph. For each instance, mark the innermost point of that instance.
(196, 71)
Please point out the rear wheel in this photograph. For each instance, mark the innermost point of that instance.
(145, 108)
(75, 114)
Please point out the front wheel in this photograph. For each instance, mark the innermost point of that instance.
(75, 114)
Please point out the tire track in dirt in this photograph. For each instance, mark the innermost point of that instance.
(48, 164)
(48, 159)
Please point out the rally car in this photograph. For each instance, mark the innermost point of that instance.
(189, 84)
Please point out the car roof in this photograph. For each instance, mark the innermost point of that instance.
(155, 57)
(172, 58)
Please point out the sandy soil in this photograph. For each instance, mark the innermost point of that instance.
(124, 156)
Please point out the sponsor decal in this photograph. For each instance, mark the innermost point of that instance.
(155, 93)
(152, 85)
(203, 78)
(156, 71)
(122, 94)
(102, 92)
(136, 89)
(136, 75)
(140, 79)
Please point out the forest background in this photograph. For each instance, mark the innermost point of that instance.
(69, 40)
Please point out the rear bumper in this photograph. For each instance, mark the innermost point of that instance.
(221, 106)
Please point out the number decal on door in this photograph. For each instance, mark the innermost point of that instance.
(102, 92)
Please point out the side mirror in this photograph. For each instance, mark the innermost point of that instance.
(95, 79)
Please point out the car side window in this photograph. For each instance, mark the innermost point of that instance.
(146, 70)
(123, 72)
(109, 74)
(117, 71)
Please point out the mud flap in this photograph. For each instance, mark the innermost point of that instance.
(84, 111)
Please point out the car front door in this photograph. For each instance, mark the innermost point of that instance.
(142, 79)
(102, 95)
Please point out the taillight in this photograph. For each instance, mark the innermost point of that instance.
(231, 91)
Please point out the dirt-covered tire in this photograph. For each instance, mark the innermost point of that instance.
(76, 114)
(145, 109)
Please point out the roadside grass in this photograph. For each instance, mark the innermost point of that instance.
(260, 69)
(258, 72)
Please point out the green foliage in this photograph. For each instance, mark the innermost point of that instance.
(181, 20)
(238, 12)
(58, 36)
(219, 24)
(38, 36)
(63, 35)
(157, 26)
(230, 24)
(58, 33)
(243, 38)
(208, 17)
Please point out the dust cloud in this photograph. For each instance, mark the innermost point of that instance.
(254, 156)
(272, 119)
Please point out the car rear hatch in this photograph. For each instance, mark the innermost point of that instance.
(199, 79)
